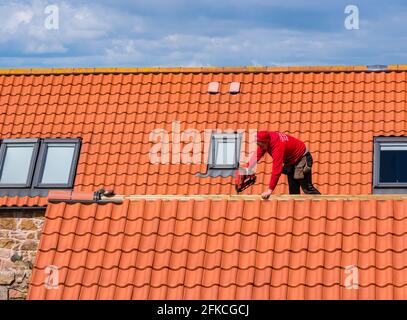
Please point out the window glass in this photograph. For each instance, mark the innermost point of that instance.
(16, 165)
(226, 152)
(393, 163)
(58, 162)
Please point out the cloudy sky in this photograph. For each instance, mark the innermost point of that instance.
(148, 33)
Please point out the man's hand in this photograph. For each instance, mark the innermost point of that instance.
(267, 194)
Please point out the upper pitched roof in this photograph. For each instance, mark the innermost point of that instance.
(336, 111)
(218, 249)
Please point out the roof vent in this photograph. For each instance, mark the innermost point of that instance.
(234, 87)
(377, 67)
(213, 87)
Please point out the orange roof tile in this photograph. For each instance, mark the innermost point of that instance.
(23, 201)
(336, 111)
(224, 250)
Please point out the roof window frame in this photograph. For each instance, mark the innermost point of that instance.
(42, 157)
(33, 184)
(385, 187)
(212, 165)
(3, 150)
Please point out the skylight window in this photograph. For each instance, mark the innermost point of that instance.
(390, 170)
(57, 163)
(38, 163)
(17, 160)
(224, 155)
(225, 151)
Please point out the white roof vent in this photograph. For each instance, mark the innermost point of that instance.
(213, 87)
(234, 87)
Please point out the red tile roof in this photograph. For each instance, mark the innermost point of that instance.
(336, 111)
(214, 249)
(23, 201)
(224, 250)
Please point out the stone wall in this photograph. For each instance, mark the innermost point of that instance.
(20, 232)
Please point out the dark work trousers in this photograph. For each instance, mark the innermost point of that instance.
(305, 184)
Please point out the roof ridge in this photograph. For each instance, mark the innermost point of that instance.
(214, 69)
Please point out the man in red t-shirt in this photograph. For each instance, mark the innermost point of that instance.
(287, 152)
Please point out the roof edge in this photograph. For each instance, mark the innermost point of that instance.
(90, 197)
(246, 69)
(258, 197)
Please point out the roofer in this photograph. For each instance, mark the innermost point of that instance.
(290, 156)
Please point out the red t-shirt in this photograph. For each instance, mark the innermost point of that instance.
(284, 149)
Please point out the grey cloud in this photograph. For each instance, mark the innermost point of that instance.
(201, 33)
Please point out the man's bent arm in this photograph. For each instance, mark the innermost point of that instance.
(278, 155)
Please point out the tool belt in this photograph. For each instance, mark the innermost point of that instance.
(303, 166)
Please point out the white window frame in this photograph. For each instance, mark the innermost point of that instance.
(217, 138)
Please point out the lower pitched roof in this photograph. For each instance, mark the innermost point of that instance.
(224, 249)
